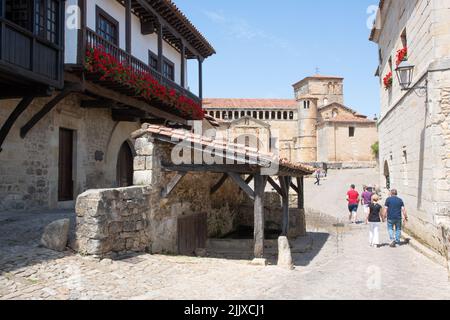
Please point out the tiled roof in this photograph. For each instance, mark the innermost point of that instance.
(352, 119)
(241, 153)
(249, 103)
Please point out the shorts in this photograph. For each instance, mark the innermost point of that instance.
(366, 209)
(353, 208)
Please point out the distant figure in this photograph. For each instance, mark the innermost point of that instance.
(394, 210)
(353, 201)
(366, 199)
(317, 177)
(325, 169)
(374, 219)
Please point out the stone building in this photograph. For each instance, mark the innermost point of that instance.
(64, 126)
(415, 112)
(314, 127)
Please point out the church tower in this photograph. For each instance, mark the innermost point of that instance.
(307, 129)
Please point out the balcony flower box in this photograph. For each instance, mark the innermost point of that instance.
(402, 55)
(143, 84)
(387, 81)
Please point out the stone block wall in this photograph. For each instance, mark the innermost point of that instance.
(112, 221)
(29, 166)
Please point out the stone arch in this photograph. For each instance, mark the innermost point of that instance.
(120, 135)
(124, 167)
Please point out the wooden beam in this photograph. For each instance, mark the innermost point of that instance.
(301, 193)
(216, 168)
(20, 108)
(241, 183)
(132, 102)
(249, 179)
(294, 187)
(275, 186)
(260, 186)
(172, 184)
(97, 104)
(219, 184)
(46, 109)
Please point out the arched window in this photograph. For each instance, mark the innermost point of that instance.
(285, 115)
(218, 114)
(267, 115)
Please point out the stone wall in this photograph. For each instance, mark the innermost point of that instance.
(191, 196)
(29, 167)
(112, 221)
(414, 125)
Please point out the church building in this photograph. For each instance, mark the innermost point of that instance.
(314, 127)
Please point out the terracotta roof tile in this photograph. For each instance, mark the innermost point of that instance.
(239, 152)
(346, 119)
(249, 103)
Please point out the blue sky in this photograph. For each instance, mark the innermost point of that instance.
(265, 46)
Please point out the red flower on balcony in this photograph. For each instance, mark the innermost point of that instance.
(402, 55)
(387, 80)
(143, 83)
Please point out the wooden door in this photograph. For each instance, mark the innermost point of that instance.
(125, 166)
(192, 233)
(65, 167)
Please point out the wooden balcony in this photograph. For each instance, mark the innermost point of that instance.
(93, 40)
(26, 60)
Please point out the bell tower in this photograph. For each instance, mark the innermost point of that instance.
(307, 129)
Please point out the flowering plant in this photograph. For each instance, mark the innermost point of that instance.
(388, 81)
(143, 83)
(402, 55)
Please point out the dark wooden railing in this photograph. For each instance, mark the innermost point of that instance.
(95, 40)
(29, 57)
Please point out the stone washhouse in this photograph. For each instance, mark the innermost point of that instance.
(174, 208)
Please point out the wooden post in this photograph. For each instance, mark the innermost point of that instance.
(160, 48)
(200, 78)
(82, 38)
(128, 26)
(183, 64)
(301, 194)
(260, 185)
(285, 183)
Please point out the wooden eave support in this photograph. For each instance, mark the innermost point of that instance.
(47, 108)
(242, 184)
(172, 184)
(219, 184)
(20, 108)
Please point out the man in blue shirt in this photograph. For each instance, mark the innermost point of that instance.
(394, 210)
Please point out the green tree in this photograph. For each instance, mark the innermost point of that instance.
(376, 149)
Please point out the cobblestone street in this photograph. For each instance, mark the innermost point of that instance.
(340, 265)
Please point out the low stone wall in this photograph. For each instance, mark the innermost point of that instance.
(112, 221)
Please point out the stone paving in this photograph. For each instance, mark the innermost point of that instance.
(340, 265)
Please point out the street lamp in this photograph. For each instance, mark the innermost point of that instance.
(405, 73)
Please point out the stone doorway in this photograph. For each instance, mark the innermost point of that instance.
(125, 166)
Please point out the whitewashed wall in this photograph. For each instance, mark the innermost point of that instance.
(140, 44)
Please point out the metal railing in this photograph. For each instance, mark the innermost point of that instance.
(95, 40)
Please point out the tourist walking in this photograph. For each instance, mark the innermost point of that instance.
(394, 212)
(317, 177)
(353, 201)
(374, 219)
(366, 199)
